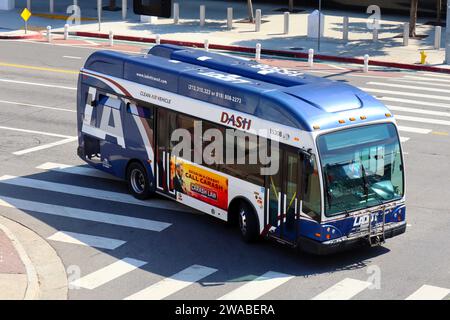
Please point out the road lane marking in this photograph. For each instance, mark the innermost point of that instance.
(38, 84)
(423, 120)
(173, 284)
(414, 130)
(72, 57)
(45, 146)
(440, 133)
(258, 287)
(404, 139)
(36, 132)
(408, 94)
(80, 191)
(35, 106)
(421, 111)
(427, 79)
(21, 66)
(86, 240)
(108, 273)
(415, 102)
(343, 290)
(422, 83)
(405, 86)
(427, 292)
(81, 214)
(433, 75)
(78, 170)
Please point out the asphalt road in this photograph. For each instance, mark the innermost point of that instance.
(37, 108)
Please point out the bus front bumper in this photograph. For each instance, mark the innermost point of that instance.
(343, 244)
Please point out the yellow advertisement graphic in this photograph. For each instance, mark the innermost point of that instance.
(198, 183)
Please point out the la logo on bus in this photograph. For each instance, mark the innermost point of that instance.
(236, 121)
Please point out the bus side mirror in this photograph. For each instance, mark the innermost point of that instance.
(308, 162)
(309, 166)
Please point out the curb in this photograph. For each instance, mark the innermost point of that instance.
(32, 290)
(283, 53)
(47, 278)
(21, 37)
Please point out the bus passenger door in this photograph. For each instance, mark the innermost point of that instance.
(165, 124)
(283, 195)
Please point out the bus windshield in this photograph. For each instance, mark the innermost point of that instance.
(361, 166)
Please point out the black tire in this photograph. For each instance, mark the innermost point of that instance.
(137, 180)
(248, 223)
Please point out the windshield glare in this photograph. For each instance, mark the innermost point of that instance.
(362, 167)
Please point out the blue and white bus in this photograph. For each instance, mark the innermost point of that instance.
(339, 181)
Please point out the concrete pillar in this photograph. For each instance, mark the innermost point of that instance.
(202, 15)
(229, 18)
(405, 33)
(176, 13)
(258, 52)
(286, 23)
(345, 25)
(437, 37)
(258, 20)
(124, 9)
(447, 36)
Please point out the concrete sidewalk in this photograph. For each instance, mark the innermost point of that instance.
(389, 47)
(30, 269)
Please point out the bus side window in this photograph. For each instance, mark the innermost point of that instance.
(139, 110)
(246, 163)
(311, 201)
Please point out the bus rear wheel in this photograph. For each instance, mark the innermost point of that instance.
(248, 223)
(137, 180)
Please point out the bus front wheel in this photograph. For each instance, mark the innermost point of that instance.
(137, 180)
(248, 223)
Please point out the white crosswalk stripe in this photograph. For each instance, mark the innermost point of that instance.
(89, 215)
(427, 292)
(404, 86)
(404, 139)
(421, 111)
(415, 102)
(429, 80)
(258, 287)
(424, 83)
(435, 75)
(423, 120)
(414, 130)
(108, 273)
(86, 240)
(343, 290)
(79, 170)
(82, 191)
(408, 94)
(173, 284)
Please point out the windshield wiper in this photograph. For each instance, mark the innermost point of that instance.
(365, 182)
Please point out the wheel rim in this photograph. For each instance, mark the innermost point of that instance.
(243, 222)
(137, 181)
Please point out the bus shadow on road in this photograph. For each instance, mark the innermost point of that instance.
(51, 202)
